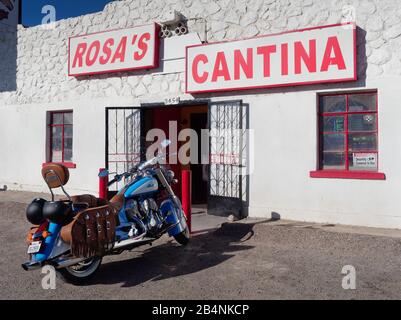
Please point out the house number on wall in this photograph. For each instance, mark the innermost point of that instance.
(172, 101)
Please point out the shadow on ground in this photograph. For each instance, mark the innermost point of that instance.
(170, 260)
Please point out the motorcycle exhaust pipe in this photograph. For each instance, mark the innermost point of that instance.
(58, 264)
(65, 263)
(129, 242)
(29, 266)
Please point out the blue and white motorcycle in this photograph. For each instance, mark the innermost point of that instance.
(148, 209)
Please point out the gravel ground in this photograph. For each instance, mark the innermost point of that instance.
(258, 260)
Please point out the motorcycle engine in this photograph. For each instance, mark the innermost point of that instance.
(145, 210)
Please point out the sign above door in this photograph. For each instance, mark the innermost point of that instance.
(309, 56)
(114, 51)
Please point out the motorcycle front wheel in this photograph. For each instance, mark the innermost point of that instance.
(183, 237)
(82, 272)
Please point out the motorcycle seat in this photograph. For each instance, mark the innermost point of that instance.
(87, 201)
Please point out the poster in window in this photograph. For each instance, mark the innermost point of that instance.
(365, 160)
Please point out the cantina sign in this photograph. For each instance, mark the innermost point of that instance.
(309, 56)
(113, 51)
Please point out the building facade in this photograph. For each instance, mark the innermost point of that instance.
(322, 150)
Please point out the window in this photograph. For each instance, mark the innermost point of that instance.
(61, 138)
(348, 136)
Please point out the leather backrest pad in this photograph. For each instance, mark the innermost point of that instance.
(55, 175)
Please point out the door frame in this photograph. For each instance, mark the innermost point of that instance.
(186, 103)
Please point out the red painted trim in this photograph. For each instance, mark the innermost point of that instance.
(69, 165)
(339, 114)
(156, 52)
(103, 181)
(111, 30)
(62, 126)
(357, 175)
(186, 195)
(69, 57)
(277, 34)
(62, 140)
(297, 84)
(354, 78)
(346, 133)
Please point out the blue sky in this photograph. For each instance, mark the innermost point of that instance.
(32, 9)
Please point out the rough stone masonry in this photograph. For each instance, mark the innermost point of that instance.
(33, 61)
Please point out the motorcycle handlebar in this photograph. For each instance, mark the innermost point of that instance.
(137, 167)
(112, 182)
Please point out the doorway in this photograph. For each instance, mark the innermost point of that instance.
(181, 118)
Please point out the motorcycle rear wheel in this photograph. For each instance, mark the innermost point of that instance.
(82, 272)
(183, 237)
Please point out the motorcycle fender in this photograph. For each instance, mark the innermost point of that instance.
(60, 247)
(174, 217)
(49, 243)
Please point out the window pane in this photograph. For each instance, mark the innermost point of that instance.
(333, 142)
(363, 161)
(57, 150)
(68, 118)
(68, 134)
(362, 102)
(333, 124)
(332, 104)
(362, 122)
(333, 161)
(362, 142)
(57, 118)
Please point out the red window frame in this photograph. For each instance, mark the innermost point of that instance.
(52, 125)
(347, 173)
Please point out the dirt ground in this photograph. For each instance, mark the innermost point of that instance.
(246, 260)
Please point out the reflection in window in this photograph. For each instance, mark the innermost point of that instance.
(332, 103)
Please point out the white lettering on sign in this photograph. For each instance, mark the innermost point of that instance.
(113, 51)
(316, 55)
(365, 160)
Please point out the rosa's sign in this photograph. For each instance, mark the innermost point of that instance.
(316, 55)
(113, 51)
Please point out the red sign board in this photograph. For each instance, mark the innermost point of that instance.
(114, 51)
(309, 56)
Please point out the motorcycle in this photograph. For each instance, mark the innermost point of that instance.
(145, 209)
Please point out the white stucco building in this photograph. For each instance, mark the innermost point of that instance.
(326, 144)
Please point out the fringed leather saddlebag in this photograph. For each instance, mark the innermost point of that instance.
(92, 233)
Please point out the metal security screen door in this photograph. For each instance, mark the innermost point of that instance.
(228, 181)
(123, 140)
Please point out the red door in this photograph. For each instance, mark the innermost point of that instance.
(161, 120)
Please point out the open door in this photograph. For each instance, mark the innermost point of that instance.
(123, 141)
(228, 122)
